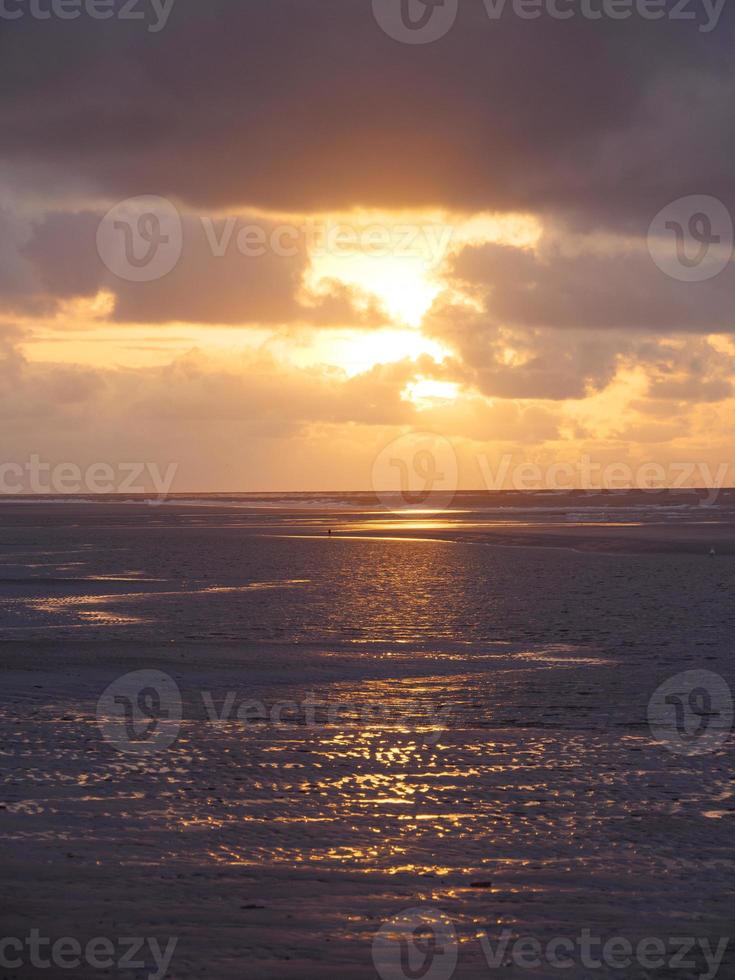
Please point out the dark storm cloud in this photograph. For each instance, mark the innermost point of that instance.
(215, 280)
(525, 363)
(620, 287)
(291, 104)
(19, 288)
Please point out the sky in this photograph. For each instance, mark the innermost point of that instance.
(264, 241)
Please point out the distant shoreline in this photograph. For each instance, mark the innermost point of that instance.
(639, 527)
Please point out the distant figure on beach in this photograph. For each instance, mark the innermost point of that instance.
(329, 532)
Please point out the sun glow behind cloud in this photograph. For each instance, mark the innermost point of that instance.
(358, 351)
(428, 393)
(399, 258)
(395, 262)
(402, 284)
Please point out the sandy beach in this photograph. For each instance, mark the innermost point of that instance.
(368, 724)
(367, 490)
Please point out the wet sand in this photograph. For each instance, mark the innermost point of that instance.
(490, 756)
